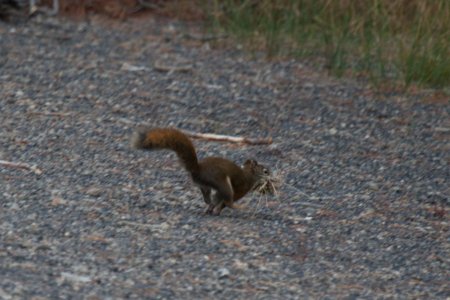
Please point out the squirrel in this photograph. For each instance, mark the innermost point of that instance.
(229, 181)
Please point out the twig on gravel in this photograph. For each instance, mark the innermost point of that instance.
(160, 67)
(442, 129)
(129, 67)
(126, 121)
(211, 136)
(228, 138)
(24, 166)
(153, 227)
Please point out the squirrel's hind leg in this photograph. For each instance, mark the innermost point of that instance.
(206, 192)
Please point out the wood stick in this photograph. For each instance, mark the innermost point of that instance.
(212, 136)
(158, 66)
(227, 138)
(23, 166)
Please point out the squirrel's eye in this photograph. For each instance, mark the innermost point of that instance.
(265, 171)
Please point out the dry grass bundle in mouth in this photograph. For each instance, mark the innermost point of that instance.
(268, 185)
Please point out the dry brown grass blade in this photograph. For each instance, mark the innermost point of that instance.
(23, 166)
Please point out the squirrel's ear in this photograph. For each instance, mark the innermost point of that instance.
(251, 163)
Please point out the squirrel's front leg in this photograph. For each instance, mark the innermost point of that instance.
(210, 209)
(217, 209)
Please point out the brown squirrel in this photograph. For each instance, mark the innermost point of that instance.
(229, 181)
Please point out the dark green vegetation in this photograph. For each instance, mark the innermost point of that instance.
(403, 42)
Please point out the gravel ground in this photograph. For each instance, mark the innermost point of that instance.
(362, 211)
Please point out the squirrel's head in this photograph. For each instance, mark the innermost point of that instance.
(256, 169)
(263, 180)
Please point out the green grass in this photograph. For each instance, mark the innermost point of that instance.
(405, 42)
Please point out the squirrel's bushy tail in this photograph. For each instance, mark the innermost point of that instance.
(167, 138)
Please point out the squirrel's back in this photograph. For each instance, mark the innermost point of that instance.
(167, 138)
